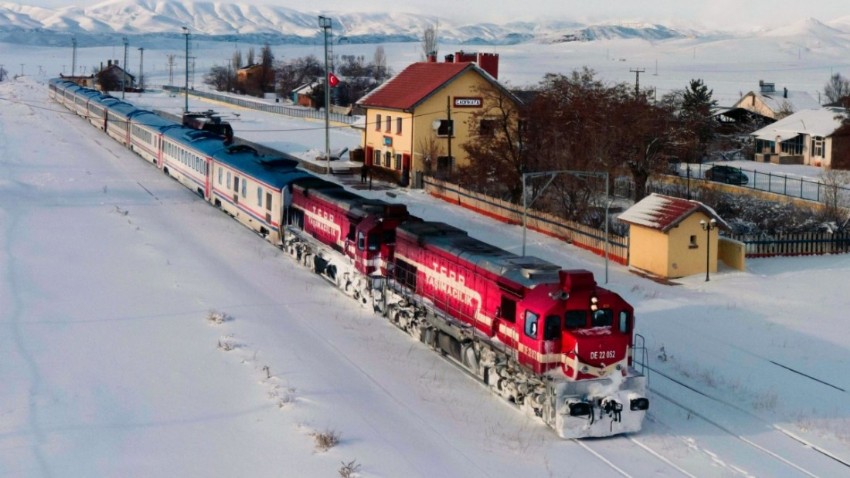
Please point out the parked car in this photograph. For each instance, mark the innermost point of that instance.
(726, 174)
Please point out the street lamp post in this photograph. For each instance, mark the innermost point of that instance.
(186, 85)
(708, 227)
(325, 25)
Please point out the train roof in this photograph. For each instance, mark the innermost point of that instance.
(527, 271)
(153, 120)
(204, 142)
(277, 171)
(123, 108)
(342, 198)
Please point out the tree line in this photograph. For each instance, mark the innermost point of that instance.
(358, 76)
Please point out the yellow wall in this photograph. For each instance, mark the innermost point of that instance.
(686, 260)
(672, 254)
(417, 127)
(374, 134)
(648, 250)
(732, 253)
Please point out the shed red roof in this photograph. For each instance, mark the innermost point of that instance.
(661, 212)
(414, 84)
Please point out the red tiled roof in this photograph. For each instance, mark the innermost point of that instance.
(661, 212)
(415, 83)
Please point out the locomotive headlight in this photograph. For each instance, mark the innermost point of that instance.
(594, 303)
(638, 404)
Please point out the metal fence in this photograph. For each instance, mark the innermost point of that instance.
(615, 247)
(796, 244)
(783, 184)
(286, 110)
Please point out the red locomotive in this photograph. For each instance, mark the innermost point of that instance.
(549, 340)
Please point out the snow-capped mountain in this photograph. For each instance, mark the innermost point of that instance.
(276, 24)
(281, 24)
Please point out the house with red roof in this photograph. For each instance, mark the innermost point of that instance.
(672, 237)
(418, 121)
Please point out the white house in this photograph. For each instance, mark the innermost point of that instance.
(815, 137)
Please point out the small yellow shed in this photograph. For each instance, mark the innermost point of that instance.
(672, 237)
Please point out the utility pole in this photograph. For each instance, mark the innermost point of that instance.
(186, 89)
(451, 130)
(325, 24)
(141, 68)
(637, 72)
(124, 69)
(171, 57)
(73, 56)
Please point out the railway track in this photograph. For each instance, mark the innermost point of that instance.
(767, 449)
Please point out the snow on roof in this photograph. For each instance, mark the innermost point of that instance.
(813, 122)
(415, 83)
(797, 100)
(661, 212)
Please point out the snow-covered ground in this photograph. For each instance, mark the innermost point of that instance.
(109, 270)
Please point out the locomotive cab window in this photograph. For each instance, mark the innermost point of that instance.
(576, 319)
(624, 322)
(372, 242)
(531, 324)
(603, 318)
(552, 328)
(361, 240)
(507, 310)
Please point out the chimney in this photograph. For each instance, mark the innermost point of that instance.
(450, 58)
(785, 94)
(432, 57)
(108, 63)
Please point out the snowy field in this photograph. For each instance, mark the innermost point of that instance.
(111, 368)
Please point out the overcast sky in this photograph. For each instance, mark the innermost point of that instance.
(735, 14)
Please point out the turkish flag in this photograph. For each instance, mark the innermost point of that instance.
(333, 80)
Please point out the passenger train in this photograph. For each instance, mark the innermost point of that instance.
(551, 341)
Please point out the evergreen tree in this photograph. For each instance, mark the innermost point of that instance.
(696, 115)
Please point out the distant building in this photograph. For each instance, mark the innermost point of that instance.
(109, 78)
(419, 120)
(249, 74)
(303, 95)
(815, 137)
(769, 102)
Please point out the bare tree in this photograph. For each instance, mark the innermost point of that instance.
(236, 60)
(496, 155)
(835, 198)
(250, 59)
(786, 109)
(267, 74)
(380, 61)
(297, 72)
(837, 88)
(220, 77)
(429, 40)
